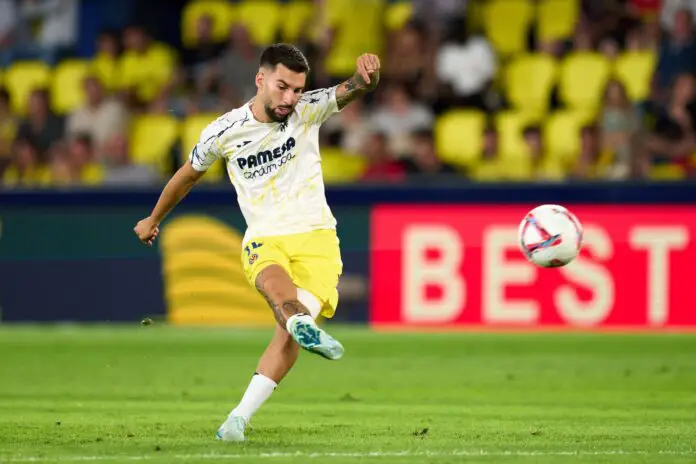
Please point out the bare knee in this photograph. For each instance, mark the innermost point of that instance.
(277, 287)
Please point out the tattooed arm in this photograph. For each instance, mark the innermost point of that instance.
(365, 79)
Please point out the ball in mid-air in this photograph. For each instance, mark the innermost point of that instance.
(550, 236)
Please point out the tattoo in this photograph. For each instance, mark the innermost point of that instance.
(354, 88)
(283, 311)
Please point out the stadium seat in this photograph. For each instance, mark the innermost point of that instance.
(459, 136)
(147, 73)
(359, 26)
(191, 130)
(67, 90)
(262, 32)
(561, 134)
(220, 11)
(204, 280)
(529, 80)
(297, 16)
(23, 77)
(667, 172)
(510, 126)
(487, 171)
(635, 70)
(556, 19)
(398, 14)
(583, 76)
(506, 23)
(339, 167)
(152, 138)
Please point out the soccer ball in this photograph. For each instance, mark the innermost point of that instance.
(550, 236)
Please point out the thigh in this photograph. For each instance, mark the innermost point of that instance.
(260, 253)
(316, 267)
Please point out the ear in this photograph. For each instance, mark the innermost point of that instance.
(260, 76)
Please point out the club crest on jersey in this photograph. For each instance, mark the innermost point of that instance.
(267, 161)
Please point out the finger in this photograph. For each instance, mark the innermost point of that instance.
(379, 64)
(363, 73)
(373, 62)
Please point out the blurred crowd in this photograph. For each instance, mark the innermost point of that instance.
(489, 90)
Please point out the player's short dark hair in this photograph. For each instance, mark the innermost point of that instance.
(286, 54)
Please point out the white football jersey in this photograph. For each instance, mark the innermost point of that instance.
(274, 167)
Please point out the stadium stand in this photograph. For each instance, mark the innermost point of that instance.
(553, 67)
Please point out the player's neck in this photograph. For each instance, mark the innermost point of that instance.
(259, 112)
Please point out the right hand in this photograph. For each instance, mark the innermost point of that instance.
(147, 230)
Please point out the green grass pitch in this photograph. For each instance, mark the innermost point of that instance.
(114, 394)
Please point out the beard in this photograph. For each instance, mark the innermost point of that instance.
(270, 112)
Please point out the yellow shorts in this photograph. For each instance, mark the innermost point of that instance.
(312, 259)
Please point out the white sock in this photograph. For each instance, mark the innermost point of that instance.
(259, 390)
(309, 301)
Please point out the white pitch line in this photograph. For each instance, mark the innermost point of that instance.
(373, 454)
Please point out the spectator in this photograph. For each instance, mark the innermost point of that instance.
(104, 63)
(672, 138)
(669, 9)
(465, 67)
(677, 54)
(8, 128)
(381, 163)
(146, 66)
(589, 164)
(41, 126)
(205, 49)
(542, 166)
(423, 163)
(8, 23)
(73, 163)
(619, 122)
(400, 116)
(349, 127)
(238, 66)
(26, 169)
(120, 171)
(408, 61)
(55, 21)
(100, 117)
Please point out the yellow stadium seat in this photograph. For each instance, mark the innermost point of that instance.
(510, 126)
(556, 19)
(106, 68)
(297, 16)
(151, 139)
(67, 90)
(340, 167)
(507, 23)
(561, 134)
(459, 136)
(635, 70)
(220, 11)
(487, 171)
(147, 73)
(529, 80)
(23, 77)
(263, 19)
(398, 14)
(190, 134)
(359, 26)
(583, 76)
(666, 172)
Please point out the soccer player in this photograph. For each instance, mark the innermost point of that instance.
(290, 248)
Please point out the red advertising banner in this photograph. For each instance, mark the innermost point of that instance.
(458, 266)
